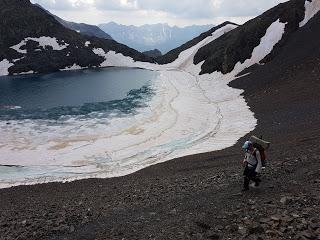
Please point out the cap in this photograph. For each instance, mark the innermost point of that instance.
(247, 144)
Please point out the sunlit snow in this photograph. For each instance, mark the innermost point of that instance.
(312, 8)
(43, 42)
(4, 67)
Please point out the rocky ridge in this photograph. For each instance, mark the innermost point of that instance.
(153, 53)
(82, 28)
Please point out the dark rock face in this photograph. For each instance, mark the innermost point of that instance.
(173, 54)
(19, 19)
(237, 45)
(153, 53)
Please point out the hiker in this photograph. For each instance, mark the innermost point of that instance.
(252, 162)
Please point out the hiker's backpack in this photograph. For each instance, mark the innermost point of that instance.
(262, 153)
(262, 146)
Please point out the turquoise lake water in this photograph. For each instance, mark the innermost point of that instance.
(83, 92)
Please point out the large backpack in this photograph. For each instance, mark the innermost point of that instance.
(262, 146)
(262, 153)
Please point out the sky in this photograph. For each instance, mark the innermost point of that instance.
(173, 12)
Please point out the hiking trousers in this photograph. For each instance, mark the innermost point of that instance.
(250, 175)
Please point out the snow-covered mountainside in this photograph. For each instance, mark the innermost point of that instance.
(153, 36)
(279, 24)
(174, 53)
(33, 41)
(82, 28)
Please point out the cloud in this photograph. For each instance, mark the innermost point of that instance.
(64, 5)
(151, 11)
(185, 8)
(192, 8)
(231, 8)
(116, 5)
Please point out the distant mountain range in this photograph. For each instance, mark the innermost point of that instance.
(82, 28)
(155, 36)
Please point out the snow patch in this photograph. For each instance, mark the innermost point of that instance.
(87, 43)
(25, 73)
(273, 35)
(73, 67)
(18, 46)
(113, 59)
(186, 57)
(4, 67)
(312, 8)
(43, 42)
(18, 59)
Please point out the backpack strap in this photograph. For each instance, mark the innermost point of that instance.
(255, 153)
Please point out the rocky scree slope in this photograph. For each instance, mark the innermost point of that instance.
(31, 40)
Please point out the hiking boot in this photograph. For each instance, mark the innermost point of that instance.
(257, 183)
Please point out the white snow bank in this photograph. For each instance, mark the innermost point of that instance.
(25, 73)
(312, 8)
(4, 67)
(273, 35)
(73, 67)
(113, 59)
(43, 42)
(186, 57)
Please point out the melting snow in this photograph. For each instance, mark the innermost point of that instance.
(73, 67)
(312, 8)
(114, 59)
(43, 42)
(25, 73)
(272, 37)
(4, 67)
